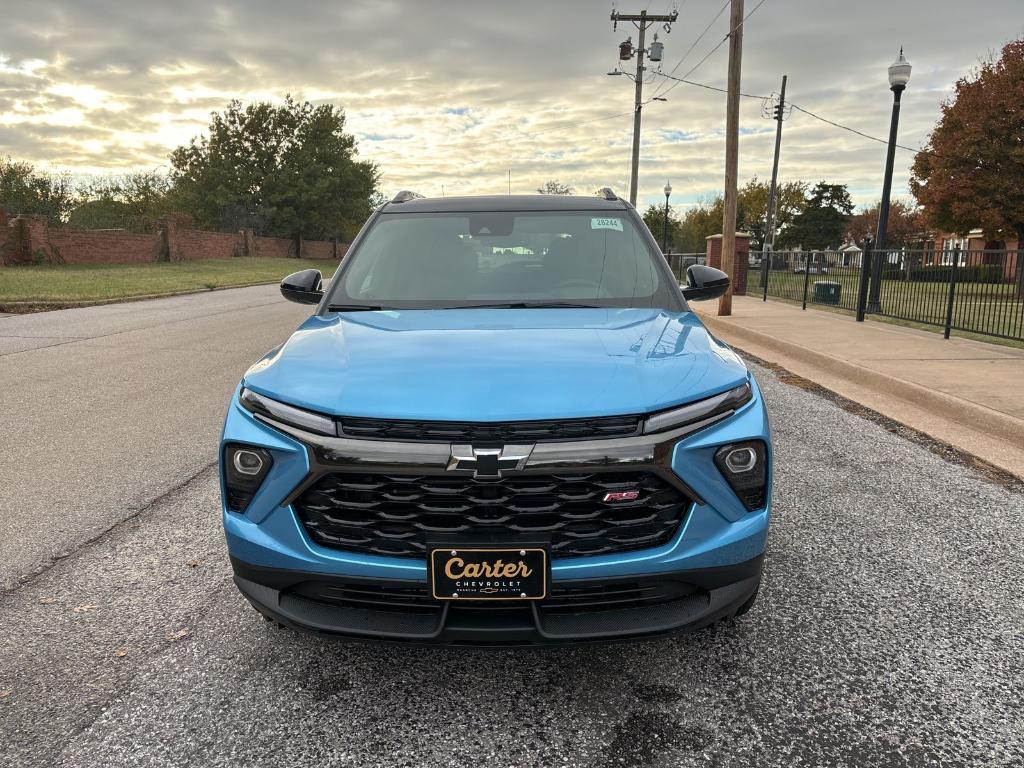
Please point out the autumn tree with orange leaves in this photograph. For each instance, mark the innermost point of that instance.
(971, 172)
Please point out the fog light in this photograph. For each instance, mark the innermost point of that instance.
(740, 460)
(247, 462)
(745, 467)
(244, 467)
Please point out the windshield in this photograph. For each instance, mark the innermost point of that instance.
(503, 258)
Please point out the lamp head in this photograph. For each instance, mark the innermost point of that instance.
(899, 73)
(668, 189)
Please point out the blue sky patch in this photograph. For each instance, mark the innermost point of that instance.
(677, 135)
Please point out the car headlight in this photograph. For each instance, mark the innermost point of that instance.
(724, 402)
(745, 468)
(289, 414)
(245, 467)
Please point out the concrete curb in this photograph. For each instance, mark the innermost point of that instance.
(978, 417)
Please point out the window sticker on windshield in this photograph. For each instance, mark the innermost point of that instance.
(615, 224)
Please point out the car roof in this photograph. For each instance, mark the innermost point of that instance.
(506, 203)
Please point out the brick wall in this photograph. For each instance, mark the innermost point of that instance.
(27, 239)
(280, 247)
(323, 249)
(70, 246)
(714, 259)
(194, 245)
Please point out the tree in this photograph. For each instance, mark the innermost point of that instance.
(553, 187)
(752, 208)
(971, 171)
(690, 231)
(289, 169)
(699, 223)
(906, 224)
(25, 190)
(654, 218)
(823, 220)
(131, 201)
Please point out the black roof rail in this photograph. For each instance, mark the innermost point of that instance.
(607, 193)
(405, 196)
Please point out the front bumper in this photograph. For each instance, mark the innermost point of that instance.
(717, 533)
(580, 611)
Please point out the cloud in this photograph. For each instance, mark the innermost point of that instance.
(462, 93)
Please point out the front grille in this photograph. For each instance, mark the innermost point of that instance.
(404, 597)
(506, 432)
(398, 514)
(565, 597)
(614, 595)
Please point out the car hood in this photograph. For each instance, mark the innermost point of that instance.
(496, 364)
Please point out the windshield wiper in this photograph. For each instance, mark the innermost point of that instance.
(354, 308)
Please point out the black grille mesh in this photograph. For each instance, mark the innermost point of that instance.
(565, 597)
(469, 432)
(397, 514)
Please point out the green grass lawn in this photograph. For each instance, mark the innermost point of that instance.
(70, 284)
(983, 308)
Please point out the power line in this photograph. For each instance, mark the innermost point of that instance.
(710, 87)
(798, 108)
(859, 133)
(721, 42)
(695, 42)
(833, 123)
(805, 111)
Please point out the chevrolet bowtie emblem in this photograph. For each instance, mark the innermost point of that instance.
(489, 462)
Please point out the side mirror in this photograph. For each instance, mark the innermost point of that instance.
(703, 283)
(305, 287)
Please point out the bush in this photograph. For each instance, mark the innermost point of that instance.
(931, 273)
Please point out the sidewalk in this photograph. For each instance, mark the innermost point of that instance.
(966, 393)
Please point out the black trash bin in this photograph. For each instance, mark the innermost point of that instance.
(827, 292)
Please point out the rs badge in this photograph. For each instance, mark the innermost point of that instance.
(621, 496)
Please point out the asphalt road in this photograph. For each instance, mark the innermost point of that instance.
(107, 408)
(889, 631)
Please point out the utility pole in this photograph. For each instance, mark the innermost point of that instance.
(642, 21)
(732, 146)
(778, 113)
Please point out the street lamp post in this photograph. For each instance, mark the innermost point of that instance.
(899, 76)
(664, 235)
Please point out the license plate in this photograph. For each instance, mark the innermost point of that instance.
(489, 574)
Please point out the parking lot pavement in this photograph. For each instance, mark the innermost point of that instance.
(106, 408)
(889, 631)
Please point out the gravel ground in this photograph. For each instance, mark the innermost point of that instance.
(889, 631)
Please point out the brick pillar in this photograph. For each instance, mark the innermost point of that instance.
(16, 246)
(249, 247)
(28, 240)
(170, 246)
(714, 259)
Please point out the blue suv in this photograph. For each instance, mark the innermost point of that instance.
(501, 425)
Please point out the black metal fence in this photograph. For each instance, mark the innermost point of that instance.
(977, 291)
(680, 261)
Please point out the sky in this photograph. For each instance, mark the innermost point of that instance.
(452, 97)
